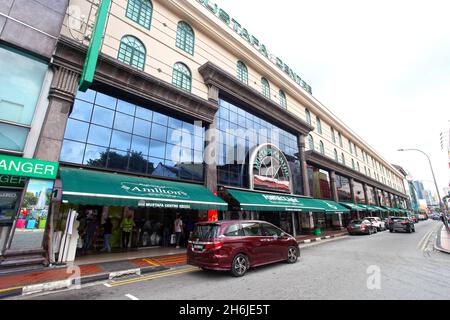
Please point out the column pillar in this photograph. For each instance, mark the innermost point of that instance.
(294, 227)
(211, 139)
(303, 166)
(353, 195)
(334, 192)
(366, 197)
(61, 97)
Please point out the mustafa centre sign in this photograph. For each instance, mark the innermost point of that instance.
(253, 41)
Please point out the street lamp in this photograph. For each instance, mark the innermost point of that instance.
(434, 178)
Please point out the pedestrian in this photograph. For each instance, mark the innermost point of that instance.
(91, 230)
(107, 233)
(178, 229)
(126, 226)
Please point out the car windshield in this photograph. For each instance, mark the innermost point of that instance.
(356, 221)
(206, 231)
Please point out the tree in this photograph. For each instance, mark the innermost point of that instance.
(29, 200)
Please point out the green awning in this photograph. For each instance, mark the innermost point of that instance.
(380, 209)
(258, 201)
(368, 207)
(353, 206)
(108, 189)
(333, 207)
(392, 210)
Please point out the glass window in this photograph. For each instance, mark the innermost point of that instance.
(126, 107)
(252, 229)
(105, 101)
(340, 139)
(144, 113)
(343, 188)
(322, 148)
(242, 72)
(234, 230)
(81, 110)
(117, 159)
(182, 77)
(88, 96)
(12, 137)
(319, 125)
(185, 37)
(310, 142)
(9, 202)
(121, 140)
(270, 231)
(308, 116)
(132, 52)
(159, 132)
(95, 156)
(336, 157)
(21, 78)
(157, 149)
(140, 145)
(123, 122)
(142, 127)
(137, 163)
(333, 136)
(283, 101)
(353, 164)
(76, 130)
(343, 159)
(265, 86)
(72, 151)
(140, 11)
(175, 123)
(103, 117)
(99, 135)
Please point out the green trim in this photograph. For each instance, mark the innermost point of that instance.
(87, 77)
(333, 207)
(132, 52)
(140, 11)
(182, 77)
(242, 72)
(99, 188)
(283, 99)
(265, 86)
(185, 39)
(258, 201)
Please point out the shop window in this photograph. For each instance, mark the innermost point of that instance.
(283, 100)
(242, 72)
(182, 77)
(140, 11)
(265, 87)
(185, 37)
(132, 52)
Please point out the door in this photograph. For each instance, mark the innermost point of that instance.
(256, 244)
(277, 246)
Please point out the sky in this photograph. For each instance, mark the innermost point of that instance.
(382, 67)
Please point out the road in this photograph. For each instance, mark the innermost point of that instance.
(382, 266)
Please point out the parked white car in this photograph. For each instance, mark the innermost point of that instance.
(377, 223)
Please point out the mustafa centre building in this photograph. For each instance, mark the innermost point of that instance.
(177, 109)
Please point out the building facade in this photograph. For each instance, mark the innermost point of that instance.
(190, 114)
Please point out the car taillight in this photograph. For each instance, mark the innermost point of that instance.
(214, 245)
(363, 226)
(405, 222)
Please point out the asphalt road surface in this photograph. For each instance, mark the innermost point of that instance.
(382, 266)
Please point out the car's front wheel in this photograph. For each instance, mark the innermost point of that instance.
(240, 265)
(292, 255)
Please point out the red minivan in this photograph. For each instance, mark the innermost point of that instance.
(239, 245)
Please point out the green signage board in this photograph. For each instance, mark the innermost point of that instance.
(90, 64)
(31, 168)
(12, 181)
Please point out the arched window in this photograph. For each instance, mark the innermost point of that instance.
(283, 101)
(322, 148)
(350, 146)
(242, 72)
(353, 164)
(370, 175)
(365, 170)
(343, 159)
(333, 136)
(182, 77)
(132, 52)
(311, 142)
(185, 37)
(308, 116)
(265, 86)
(336, 157)
(319, 125)
(357, 166)
(356, 151)
(340, 140)
(140, 11)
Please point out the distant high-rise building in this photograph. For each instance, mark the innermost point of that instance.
(419, 189)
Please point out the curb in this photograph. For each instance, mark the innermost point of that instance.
(67, 283)
(321, 238)
(437, 244)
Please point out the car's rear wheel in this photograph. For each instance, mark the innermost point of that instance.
(240, 265)
(292, 255)
(391, 231)
(408, 229)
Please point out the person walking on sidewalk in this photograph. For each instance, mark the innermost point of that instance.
(107, 233)
(178, 229)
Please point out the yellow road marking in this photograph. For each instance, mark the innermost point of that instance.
(155, 276)
(10, 289)
(420, 244)
(152, 263)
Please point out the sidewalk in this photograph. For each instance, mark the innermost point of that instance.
(323, 236)
(54, 278)
(107, 266)
(443, 240)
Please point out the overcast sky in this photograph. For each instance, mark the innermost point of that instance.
(383, 67)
